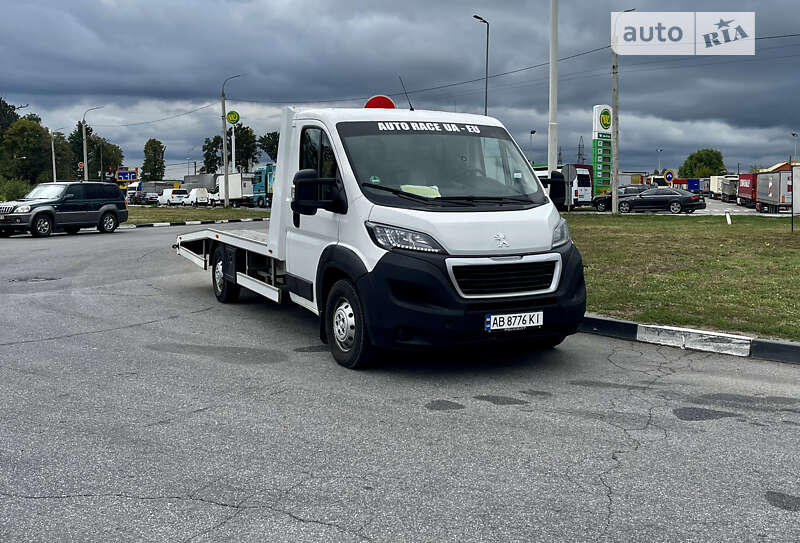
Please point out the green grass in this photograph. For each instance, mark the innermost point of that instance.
(142, 215)
(693, 271)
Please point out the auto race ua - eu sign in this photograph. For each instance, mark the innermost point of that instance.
(683, 33)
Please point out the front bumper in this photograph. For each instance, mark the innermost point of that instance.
(410, 302)
(16, 221)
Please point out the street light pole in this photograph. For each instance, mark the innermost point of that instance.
(552, 124)
(615, 123)
(532, 133)
(794, 135)
(659, 160)
(225, 139)
(53, 150)
(85, 154)
(486, 78)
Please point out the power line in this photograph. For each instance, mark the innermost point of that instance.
(157, 120)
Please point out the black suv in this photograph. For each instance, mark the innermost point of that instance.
(69, 206)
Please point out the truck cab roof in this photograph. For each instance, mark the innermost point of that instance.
(337, 115)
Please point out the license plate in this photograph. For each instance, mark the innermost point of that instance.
(513, 321)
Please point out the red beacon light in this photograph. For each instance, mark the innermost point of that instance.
(380, 102)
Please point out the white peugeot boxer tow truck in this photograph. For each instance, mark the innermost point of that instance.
(404, 229)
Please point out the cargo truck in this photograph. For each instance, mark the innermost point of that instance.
(730, 188)
(774, 192)
(404, 229)
(263, 180)
(747, 195)
(240, 189)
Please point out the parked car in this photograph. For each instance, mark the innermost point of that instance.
(662, 199)
(603, 202)
(197, 197)
(172, 197)
(151, 198)
(69, 206)
(136, 198)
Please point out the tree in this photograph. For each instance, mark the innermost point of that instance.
(8, 116)
(246, 147)
(33, 117)
(268, 143)
(75, 140)
(65, 161)
(26, 148)
(212, 154)
(98, 149)
(153, 165)
(702, 163)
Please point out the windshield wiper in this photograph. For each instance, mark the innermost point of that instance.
(488, 199)
(410, 195)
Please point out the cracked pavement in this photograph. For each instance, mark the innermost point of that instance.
(134, 407)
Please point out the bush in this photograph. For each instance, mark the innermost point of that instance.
(13, 189)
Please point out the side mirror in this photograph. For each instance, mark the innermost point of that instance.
(69, 196)
(312, 193)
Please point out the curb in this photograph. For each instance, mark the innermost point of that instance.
(697, 340)
(188, 223)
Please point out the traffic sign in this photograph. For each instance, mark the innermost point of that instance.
(233, 117)
(380, 102)
(80, 165)
(669, 175)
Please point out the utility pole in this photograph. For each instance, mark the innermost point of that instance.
(615, 132)
(53, 151)
(615, 124)
(233, 148)
(85, 154)
(225, 139)
(552, 124)
(486, 78)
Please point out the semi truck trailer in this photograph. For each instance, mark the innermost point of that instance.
(404, 229)
(774, 192)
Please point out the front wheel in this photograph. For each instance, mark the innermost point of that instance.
(624, 207)
(345, 326)
(225, 291)
(675, 207)
(108, 223)
(42, 226)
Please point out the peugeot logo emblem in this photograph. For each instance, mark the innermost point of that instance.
(501, 240)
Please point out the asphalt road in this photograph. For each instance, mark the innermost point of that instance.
(133, 406)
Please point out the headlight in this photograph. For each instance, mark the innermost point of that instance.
(22, 209)
(391, 237)
(561, 233)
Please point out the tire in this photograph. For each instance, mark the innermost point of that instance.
(346, 327)
(675, 208)
(42, 226)
(225, 291)
(260, 202)
(624, 207)
(72, 230)
(547, 343)
(108, 223)
(600, 207)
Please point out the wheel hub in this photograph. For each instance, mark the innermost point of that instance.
(43, 226)
(108, 222)
(344, 325)
(218, 276)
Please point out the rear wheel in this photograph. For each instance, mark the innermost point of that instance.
(345, 326)
(108, 223)
(675, 207)
(624, 207)
(225, 291)
(42, 226)
(601, 206)
(260, 202)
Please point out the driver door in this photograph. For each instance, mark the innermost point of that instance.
(307, 236)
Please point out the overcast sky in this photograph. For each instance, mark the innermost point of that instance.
(145, 60)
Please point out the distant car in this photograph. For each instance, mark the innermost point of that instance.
(197, 197)
(136, 198)
(172, 197)
(151, 198)
(69, 206)
(662, 199)
(603, 202)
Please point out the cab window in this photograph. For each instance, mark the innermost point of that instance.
(78, 191)
(316, 153)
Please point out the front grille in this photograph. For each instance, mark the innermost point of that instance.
(504, 279)
(6, 209)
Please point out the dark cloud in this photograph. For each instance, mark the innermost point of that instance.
(145, 60)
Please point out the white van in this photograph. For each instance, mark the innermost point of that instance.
(197, 197)
(405, 230)
(172, 197)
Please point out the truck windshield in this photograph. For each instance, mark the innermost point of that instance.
(444, 165)
(45, 191)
